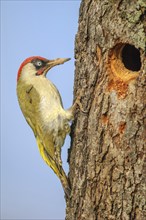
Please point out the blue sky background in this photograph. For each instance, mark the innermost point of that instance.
(30, 189)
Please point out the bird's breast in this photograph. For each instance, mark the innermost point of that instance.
(50, 109)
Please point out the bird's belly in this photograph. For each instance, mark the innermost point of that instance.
(54, 128)
(53, 117)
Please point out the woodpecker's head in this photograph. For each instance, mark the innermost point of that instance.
(37, 66)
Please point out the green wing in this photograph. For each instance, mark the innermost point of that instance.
(28, 99)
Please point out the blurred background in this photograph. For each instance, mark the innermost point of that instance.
(29, 188)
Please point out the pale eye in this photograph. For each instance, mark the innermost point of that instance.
(39, 63)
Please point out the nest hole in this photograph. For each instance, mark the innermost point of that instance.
(131, 57)
(124, 62)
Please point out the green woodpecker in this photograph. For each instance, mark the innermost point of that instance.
(42, 108)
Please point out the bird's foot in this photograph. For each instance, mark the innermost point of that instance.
(79, 104)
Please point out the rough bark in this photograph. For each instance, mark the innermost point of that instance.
(107, 150)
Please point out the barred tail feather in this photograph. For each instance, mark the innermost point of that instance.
(57, 168)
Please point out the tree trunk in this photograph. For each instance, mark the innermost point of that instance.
(107, 150)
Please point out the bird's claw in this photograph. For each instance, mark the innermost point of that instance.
(78, 103)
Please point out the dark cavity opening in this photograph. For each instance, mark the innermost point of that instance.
(131, 57)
